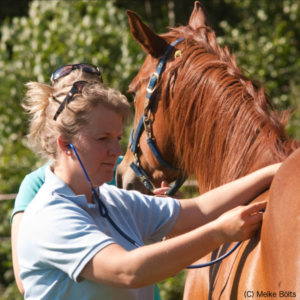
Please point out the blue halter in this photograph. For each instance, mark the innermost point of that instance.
(144, 123)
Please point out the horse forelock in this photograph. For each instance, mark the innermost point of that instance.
(221, 121)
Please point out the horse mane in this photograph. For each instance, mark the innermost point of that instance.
(221, 122)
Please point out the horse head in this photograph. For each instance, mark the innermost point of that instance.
(207, 118)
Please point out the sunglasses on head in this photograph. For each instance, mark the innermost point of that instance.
(77, 87)
(65, 70)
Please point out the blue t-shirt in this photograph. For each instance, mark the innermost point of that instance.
(60, 232)
(32, 184)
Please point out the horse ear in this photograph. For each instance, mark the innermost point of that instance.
(152, 43)
(199, 16)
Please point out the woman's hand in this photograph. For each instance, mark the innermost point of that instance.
(164, 188)
(240, 223)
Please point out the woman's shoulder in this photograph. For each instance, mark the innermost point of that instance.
(36, 177)
(121, 198)
(114, 191)
(28, 189)
(31, 185)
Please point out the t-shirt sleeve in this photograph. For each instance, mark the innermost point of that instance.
(158, 219)
(28, 189)
(66, 238)
(154, 216)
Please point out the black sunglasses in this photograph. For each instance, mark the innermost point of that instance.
(65, 70)
(77, 87)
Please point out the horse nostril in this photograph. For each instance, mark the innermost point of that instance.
(130, 187)
(119, 180)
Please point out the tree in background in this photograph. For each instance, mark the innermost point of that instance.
(263, 35)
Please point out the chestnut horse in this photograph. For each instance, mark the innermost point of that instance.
(212, 121)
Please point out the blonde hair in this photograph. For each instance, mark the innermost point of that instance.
(42, 101)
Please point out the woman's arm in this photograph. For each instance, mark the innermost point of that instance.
(14, 234)
(28, 189)
(115, 266)
(209, 206)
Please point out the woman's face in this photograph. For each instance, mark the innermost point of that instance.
(98, 146)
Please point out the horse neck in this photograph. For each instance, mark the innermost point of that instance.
(220, 120)
(218, 159)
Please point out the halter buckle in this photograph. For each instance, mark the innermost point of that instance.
(147, 120)
(136, 158)
(151, 89)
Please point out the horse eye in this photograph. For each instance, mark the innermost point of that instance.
(132, 94)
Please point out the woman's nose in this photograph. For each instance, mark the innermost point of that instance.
(115, 149)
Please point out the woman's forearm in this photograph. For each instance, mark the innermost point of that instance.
(115, 266)
(150, 264)
(239, 192)
(14, 234)
(154, 263)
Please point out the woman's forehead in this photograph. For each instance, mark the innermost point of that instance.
(104, 121)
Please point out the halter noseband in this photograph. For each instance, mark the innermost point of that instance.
(146, 124)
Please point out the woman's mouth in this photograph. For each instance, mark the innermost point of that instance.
(109, 164)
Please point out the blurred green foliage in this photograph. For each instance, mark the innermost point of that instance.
(265, 39)
(31, 48)
(264, 36)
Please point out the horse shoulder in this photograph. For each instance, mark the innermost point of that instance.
(230, 278)
(280, 233)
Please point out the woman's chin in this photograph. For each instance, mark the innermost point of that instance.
(104, 179)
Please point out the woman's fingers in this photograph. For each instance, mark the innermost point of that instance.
(165, 188)
(164, 184)
(256, 218)
(254, 208)
(242, 222)
(160, 191)
(255, 226)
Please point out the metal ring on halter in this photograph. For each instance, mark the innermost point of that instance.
(147, 116)
(148, 131)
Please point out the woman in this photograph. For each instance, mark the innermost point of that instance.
(31, 185)
(67, 246)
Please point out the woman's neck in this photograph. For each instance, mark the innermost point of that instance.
(75, 180)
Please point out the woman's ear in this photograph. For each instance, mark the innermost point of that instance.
(64, 146)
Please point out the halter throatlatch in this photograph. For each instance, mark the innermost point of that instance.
(146, 124)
